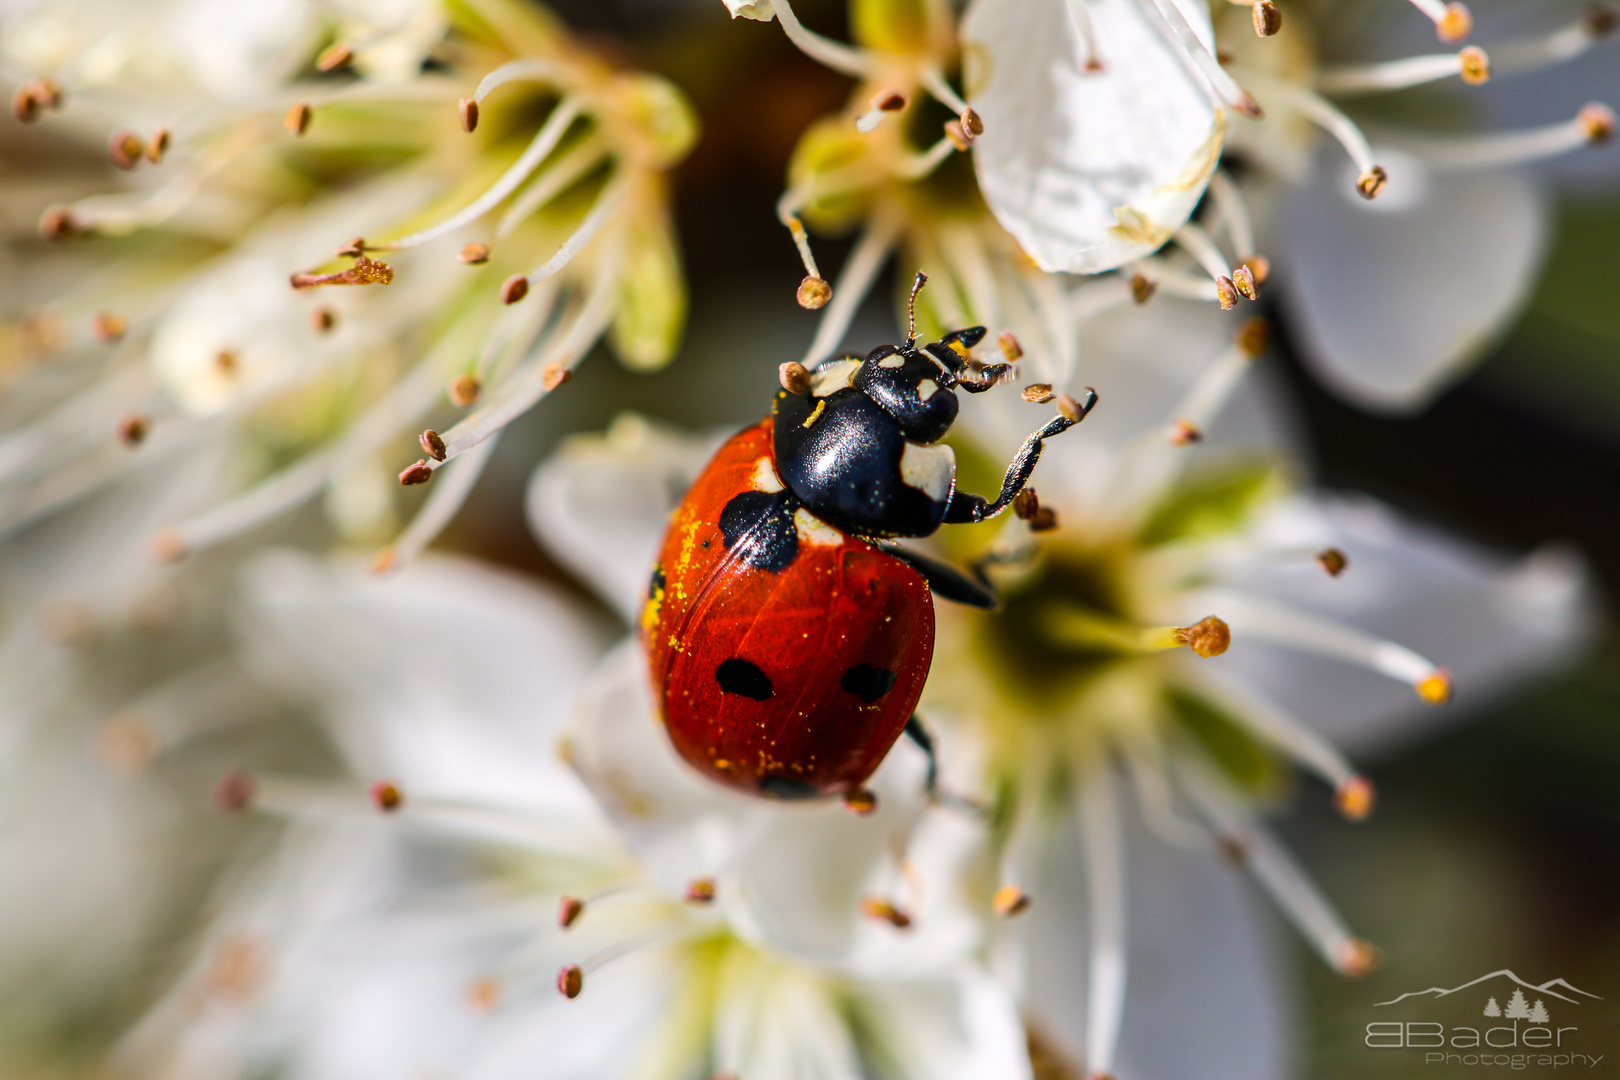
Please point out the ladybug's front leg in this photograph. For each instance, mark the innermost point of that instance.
(947, 581)
(966, 509)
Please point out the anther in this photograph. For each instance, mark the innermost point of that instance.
(875, 907)
(47, 92)
(1184, 433)
(1435, 688)
(334, 57)
(386, 796)
(1267, 19)
(1358, 958)
(569, 909)
(169, 546)
(794, 377)
(1254, 338)
(1010, 901)
(570, 981)
(1332, 560)
(1011, 350)
(126, 149)
(297, 118)
(484, 994)
(1371, 182)
(860, 801)
(1259, 267)
(433, 444)
(1207, 637)
(1474, 66)
(468, 108)
(1233, 850)
(1600, 20)
(1227, 292)
(464, 390)
(813, 292)
(700, 891)
(323, 320)
(384, 560)
(1243, 280)
(555, 375)
(972, 124)
(1597, 122)
(364, 272)
(888, 100)
(1355, 797)
(474, 254)
(1456, 24)
(1038, 393)
(57, 223)
(157, 145)
(1071, 409)
(132, 429)
(958, 137)
(515, 289)
(24, 105)
(108, 326)
(416, 474)
(1142, 289)
(234, 792)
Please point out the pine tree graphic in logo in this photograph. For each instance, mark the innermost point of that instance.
(1538, 1015)
(1517, 1007)
(1492, 1008)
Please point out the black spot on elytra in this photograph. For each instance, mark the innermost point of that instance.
(759, 526)
(738, 676)
(867, 682)
(785, 787)
(656, 585)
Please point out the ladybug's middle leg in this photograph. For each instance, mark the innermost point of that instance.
(917, 733)
(965, 508)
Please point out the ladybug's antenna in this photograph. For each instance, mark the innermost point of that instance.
(911, 310)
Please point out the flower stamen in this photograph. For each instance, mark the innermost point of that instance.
(1221, 84)
(1471, 64)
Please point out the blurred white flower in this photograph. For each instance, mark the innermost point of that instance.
(1442, 235)
(166, 318)
(431, 923)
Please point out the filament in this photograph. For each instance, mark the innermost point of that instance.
(854, 282)
(1102, 852)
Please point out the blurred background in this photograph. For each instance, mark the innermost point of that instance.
(1497, 839)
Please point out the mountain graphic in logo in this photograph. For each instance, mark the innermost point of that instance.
(1556, 988)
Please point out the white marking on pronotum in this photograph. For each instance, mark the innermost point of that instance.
(892, 361)
(929, 469)
(831, 378)
(926, 389)
(812, 530)
(765, 478)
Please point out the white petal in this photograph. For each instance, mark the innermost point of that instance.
(1206, 996)
(1088, 170)
(966, 1027)
(751, 9)
(1492, 621)
(1395, 298)
(451, 677)
(602, 503)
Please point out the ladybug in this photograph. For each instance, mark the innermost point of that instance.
(788, 640)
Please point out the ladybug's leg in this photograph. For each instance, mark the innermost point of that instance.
(925, 742)
(967, 508)
(949, 582)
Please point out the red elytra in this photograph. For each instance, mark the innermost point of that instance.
(791, 682)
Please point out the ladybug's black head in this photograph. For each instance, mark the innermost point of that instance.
(915, 385)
